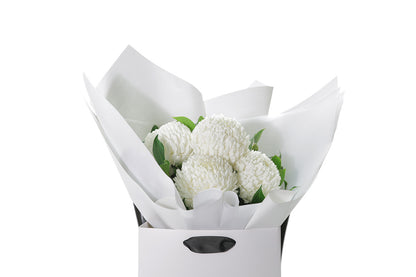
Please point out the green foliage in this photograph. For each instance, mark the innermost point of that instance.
(282, 173)
(158, 150)
(257, 136)
(277, 160)
(155, 127)
(186, 121)
(165, 167)
(159, 154)
(200, 119)
(258, 197)
(254, 140)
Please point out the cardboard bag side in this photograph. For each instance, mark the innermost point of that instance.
(164, 252)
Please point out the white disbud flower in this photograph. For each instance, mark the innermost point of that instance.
(256, 170)
(176, 139)
(222, 136)
(201, 172)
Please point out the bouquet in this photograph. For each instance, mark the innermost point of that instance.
(213, 182)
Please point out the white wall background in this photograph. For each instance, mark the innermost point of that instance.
(63, 208)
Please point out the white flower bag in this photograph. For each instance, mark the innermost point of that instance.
(208, 253)
(218, 237)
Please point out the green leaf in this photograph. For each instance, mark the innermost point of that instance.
(282, 173)
(158, 150)
(165, 167)
(237, 191)
(277, 161)
(186, 121)
(258, 197)
(159, 154)
(254, 140)
(257, 136)
(293, 188)
(155, 127)
(200, 119)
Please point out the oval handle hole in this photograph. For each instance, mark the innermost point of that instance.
(209, 244)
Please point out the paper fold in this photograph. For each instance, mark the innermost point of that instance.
(250, 102)
(144, 94)
(128, 147)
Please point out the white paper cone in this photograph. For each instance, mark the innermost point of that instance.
(136, 94)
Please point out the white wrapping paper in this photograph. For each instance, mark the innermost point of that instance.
(136, 94)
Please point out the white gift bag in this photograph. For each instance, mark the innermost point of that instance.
(218, 237)
(208, 253)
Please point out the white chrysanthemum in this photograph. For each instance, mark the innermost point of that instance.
(201, 172)
(254, 170)
(176, 139)
(222, 136)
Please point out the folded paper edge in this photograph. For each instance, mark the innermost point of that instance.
(261, 95)
(158, 193)
(330, 88)
(131, 64)
(130, 49)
